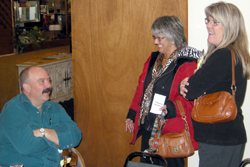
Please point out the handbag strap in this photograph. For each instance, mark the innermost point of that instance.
(181, 109)
(153, 146)
(233, 86)
(182, 112)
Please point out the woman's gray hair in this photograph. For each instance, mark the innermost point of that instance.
(234, 32)
(172, 28)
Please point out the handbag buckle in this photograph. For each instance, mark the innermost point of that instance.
(175, 149)
(233, 87)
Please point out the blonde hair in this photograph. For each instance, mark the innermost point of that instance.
(234, 32)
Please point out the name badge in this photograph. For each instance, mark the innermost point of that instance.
(158, 102)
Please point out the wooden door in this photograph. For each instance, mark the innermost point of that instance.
(111, 40)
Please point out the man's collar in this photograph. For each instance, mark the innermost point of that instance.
(24, 99)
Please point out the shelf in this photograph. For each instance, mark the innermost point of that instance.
(49, 44)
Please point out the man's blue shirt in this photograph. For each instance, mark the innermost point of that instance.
(18, 144)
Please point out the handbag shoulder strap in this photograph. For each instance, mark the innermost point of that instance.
(182, 112)
(181, 109)
(233, 86)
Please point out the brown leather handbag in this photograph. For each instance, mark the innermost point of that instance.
(175, 145)
(216, 107)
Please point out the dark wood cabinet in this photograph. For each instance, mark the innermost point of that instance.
(8, 27)
(6, 33)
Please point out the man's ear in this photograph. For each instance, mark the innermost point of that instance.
(26, 87)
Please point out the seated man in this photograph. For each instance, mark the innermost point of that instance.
(32, 129)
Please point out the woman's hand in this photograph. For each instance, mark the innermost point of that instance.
(129, 125)
(183, 90)
(164, 108)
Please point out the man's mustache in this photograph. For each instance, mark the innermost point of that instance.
(47, 90)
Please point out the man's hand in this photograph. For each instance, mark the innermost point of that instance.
(50, 134)
(37, 133)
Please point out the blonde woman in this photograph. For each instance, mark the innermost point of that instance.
(221, 144)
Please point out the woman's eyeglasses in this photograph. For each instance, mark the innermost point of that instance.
(158, 38)
(212, 22)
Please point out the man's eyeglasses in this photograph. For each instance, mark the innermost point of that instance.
(158, 38)
(212, 22)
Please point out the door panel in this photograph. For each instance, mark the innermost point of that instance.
(111, 40)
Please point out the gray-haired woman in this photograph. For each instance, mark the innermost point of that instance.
(161, 75)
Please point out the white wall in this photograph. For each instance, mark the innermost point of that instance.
(197, 37)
